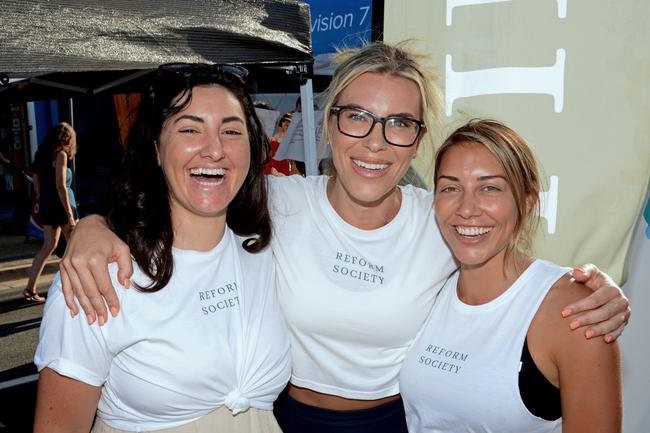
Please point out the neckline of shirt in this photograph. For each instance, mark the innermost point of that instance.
(227, 238)
(503, 298)
(387, 230)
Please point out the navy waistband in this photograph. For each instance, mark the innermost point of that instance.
(390, 410)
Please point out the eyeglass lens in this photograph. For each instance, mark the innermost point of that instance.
(399, 131)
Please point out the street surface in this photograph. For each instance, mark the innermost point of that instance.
(19, 323)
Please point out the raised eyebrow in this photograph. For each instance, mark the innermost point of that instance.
(451, 178)
(189, 117)
(200, 119)
(233, 119)
(406, 115)
(492, 176)
(358, 107)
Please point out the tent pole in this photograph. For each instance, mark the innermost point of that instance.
(309, 128)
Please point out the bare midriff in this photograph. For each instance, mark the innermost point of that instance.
(334, 402)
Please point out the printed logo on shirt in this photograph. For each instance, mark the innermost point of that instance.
(443, 359)
(358, 268)
(219, 299)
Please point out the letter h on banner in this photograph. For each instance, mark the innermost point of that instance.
(534, 80)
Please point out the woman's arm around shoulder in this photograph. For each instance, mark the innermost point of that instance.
(587, 371)
(84, 273)
(63, 404)
(605, 312)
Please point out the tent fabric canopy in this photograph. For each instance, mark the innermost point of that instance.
(41, 36)
(64, 48)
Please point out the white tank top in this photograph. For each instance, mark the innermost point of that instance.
(462, 372)
(353, 299)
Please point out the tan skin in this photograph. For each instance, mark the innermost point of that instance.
(365, 199)
(472, 192)
(58, 398)
(209, 133)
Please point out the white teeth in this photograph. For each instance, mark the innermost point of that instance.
(219, 181)
(207, 171)
(369, 166)
(472, 231)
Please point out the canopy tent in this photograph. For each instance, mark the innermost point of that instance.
(62, 48)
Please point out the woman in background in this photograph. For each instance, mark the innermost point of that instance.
(57, 208)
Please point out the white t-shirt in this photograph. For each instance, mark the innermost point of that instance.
(462, 373)
(213, 336)
(353, 299)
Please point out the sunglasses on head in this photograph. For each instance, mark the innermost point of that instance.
(183, 68)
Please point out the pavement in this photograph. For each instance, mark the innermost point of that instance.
(16, 256)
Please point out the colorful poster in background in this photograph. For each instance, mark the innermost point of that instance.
(572, 78)
(338, 24)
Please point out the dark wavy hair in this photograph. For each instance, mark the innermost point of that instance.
(140, 212)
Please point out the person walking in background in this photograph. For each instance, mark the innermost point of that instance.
(57, 208)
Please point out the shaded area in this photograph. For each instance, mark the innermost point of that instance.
(60, 49)
(17, 403)
(25, 325)
(43, 36)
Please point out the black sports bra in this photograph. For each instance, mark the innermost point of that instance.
(539, 395)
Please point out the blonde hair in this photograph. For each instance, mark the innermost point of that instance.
(383, 58)
(518, 162)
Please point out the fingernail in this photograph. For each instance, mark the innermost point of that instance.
(608, 338)
(91, 319)
(566, 312)
(127, 283)
(101, 320)
(589, 334)
(113, 311)
(574, 325)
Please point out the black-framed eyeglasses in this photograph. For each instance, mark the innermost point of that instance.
(181, 68)
(356, 122)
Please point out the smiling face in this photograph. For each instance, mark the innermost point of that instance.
(205, 154)
(369, 168)
(474, 204)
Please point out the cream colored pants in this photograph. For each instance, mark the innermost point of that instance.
(220, 420)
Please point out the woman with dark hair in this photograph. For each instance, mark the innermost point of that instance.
(57, 207)
(204, 347)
